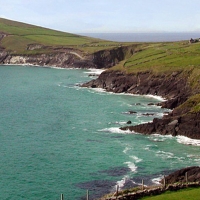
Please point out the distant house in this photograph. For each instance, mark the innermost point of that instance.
(191, 41)
(194, 40)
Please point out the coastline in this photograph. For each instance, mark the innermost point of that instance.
(173, 90)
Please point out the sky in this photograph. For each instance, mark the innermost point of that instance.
(106, 16)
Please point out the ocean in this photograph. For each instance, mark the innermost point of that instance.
(56, 137)
(145, 37)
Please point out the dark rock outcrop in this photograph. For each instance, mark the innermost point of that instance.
(66, 57)
(173, 88)
(179, 176)
(110, 57)
(187, 125)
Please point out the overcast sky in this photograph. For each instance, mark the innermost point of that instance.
(83, 16)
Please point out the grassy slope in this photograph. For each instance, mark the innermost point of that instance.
(166, 58)
(186, 194)
(20, 35)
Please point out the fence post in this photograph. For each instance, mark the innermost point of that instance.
(164, 182)
(117, 189)
(186, 178)
(62, 197)
(142, 184)
(87, 194)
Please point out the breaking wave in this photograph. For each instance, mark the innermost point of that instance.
(115, 130)
(187, 141)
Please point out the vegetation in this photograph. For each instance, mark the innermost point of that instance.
(185, 194)
(20, 35)
(192, 105)
(164, 57)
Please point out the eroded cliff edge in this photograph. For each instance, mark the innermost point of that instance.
(177, 87)
(66, 57)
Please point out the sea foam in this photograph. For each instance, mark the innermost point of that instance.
(187, 141)
(115, 130)
(136, 159)
(122, 182)
(157, 180)
(132, 166)
(95, 71)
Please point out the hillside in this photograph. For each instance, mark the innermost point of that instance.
(16, 37)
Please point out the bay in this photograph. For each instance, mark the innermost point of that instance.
(56, 137)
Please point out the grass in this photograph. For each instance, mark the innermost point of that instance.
(185, 194)
(20, 35)
(164, 58)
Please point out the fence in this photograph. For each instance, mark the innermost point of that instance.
(146, 191)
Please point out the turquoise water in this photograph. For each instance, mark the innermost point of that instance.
(56, 137)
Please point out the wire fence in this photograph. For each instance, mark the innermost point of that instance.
(144, 190)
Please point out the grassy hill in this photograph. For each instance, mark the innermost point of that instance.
(163, 57)
(20, 35)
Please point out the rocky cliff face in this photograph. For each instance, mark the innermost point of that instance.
(67, 57)
(109, 58)
(174, 87)
(64, 59)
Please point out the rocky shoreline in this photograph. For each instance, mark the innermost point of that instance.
(173, 87)
(185, 178)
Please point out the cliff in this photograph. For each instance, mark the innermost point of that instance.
(181, 96)
(67, 57)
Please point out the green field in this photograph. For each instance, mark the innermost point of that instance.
(20, 35)
(163, 57)
(186, 194)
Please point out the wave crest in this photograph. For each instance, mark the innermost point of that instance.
(115, 130)
(187, 141)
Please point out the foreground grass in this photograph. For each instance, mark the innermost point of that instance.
(186, 194)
